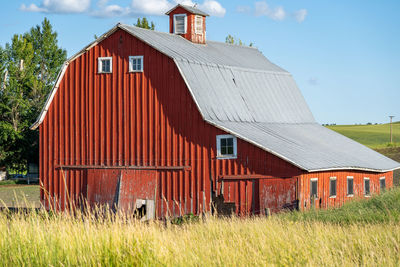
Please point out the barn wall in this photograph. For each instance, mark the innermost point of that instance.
(324, 201)
(149, 119)
(137, 119)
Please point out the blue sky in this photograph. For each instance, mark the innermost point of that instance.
(344, 55)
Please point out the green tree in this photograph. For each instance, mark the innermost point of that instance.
(28, 69)
(47, 61)
(233, 40)
(144, 23)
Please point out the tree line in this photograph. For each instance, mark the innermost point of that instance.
(29, 65)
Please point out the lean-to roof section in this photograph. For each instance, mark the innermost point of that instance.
(310, 146)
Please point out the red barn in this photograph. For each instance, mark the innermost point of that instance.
(172, 123)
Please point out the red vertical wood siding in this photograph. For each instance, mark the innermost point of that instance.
(325, 201)
(148, 119)
(191, 34)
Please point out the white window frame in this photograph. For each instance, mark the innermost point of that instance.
(365, 192)
(99, 64)
(331, 179)
(313, 180)
(131, 66)
(382, 178)
(230, 156)
(347, 186)
(184, 21)
(196, 18)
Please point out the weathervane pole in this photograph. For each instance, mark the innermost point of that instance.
(391, 138)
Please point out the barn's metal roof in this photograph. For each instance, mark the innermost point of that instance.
(212, 53)
(310, 146)
(239, 90)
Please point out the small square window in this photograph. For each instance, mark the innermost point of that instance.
(104, 64)
(332, 187)
(350, 186)
(367, 191)
(314, 188)
(382, 184)
(136, 63)
(226, 146)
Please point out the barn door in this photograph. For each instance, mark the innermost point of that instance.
(103, 187)
(126, 190)
(138, 189)
(240, 196)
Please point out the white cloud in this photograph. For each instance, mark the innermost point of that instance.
(32, 8)
(150, 7)
(111, 11)
(103, 9)
(58, 6)
(243, 9)
(262, 9)
(185, 2)
(300, 15)
(213, 8)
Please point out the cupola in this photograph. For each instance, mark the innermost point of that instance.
(189, 22)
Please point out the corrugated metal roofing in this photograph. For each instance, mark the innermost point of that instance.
(239, 90)
(310, 146)
(188, 8)
(231, 94)
(212, 53)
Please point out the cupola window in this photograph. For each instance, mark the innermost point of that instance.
(180, 23)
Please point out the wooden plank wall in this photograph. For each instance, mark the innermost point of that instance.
(137, 119)
(324, 201)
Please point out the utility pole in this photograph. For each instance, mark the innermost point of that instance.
(391, 137)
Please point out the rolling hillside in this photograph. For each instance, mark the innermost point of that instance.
(373, 136)
(376, 137)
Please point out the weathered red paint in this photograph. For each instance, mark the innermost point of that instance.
(190, 34)
(149, 119)
(325, 201)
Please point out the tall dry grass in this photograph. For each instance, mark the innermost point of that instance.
(41, 239)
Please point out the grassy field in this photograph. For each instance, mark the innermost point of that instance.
(41, 239)
(14, 195)
(374, 136)
(365, 232)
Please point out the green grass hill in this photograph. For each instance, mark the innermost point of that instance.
(373, 136)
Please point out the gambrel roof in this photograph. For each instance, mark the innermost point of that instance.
(239, 90)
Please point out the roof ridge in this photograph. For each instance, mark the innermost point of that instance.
(171, 34)
(237, 45)
(284, 72)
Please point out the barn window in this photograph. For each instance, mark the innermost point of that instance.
(382, 183)
(350, 186)
(226, 146)
(104, 64)
(198, 22)
(332, 187)
(136, 63)
(314, 188)
(180, 23)
(366, 187)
